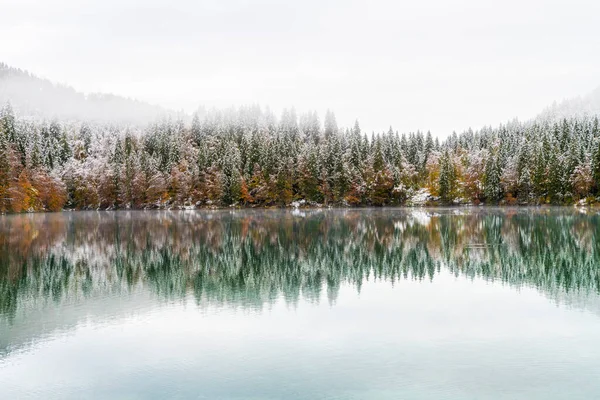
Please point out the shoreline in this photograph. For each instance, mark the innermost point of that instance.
(593, 206)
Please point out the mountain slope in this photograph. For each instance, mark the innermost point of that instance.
(34, 96)
(587, 105)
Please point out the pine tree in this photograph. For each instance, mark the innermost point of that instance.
(378, 160)
(4, 171)
(231, 179)
(284, 185)
(356, 156)
(540, 169)
(64, 150)
(309, 174)
(196, 129)
(555, 177)
(115, 194)
(524, 185)
(85, 134)
(331, 127)
(596, 168)
(491, 185)
(7, 122)
(447, 178)
(429, 147)
(35, 154)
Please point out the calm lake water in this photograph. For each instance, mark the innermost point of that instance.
(336, 304)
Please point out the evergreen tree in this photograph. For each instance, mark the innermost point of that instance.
(555, 177)
(447, 178)
(524, 185)
(331, 127)
(378, 160)
(35, 154)
(491, 186)
(309, 174)
(85, 134)
(7, 122)
(429, 147)
(596, 167)
(231, 179)
(64, 150)
(114, 192)
(4, 171)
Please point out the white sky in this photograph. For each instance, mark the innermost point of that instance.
(432, 64)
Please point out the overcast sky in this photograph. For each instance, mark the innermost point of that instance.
(437, 64)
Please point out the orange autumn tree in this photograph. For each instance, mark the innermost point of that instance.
(23, 196)
(50, 191)
(245, 195)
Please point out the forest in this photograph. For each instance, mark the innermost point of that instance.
(247, 157)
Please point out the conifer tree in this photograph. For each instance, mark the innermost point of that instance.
(524, 185)
(492, 188)
(596, 167)
(447, 177)
(231, 179)
(7, 122)
(4, 171)
(331, 127)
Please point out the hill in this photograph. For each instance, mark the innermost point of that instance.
(31, 95)
(577, 107)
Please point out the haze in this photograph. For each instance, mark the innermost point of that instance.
(415, 65)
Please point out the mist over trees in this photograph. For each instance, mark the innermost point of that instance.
(577, 107)
(33, 96)
(248, 157)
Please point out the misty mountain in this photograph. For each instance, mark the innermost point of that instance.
(577, 107)
(31, 95)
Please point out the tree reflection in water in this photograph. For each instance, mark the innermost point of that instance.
(250, 258)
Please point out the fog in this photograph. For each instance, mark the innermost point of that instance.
(579, 106)
(413, 65)
(31, 96)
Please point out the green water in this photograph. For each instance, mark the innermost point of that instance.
(331, 304)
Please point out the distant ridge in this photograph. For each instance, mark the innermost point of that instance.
(580, 106)
(33, 96)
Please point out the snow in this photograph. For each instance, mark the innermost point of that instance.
(298, 203)
(421, 197)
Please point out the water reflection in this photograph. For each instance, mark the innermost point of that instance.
(250, 258)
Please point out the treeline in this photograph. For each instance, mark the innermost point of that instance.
(247, 157)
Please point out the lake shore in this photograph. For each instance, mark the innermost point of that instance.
(204, 207)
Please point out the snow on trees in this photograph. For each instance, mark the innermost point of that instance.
(246, 156)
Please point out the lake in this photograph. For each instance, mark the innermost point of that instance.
(479, 303)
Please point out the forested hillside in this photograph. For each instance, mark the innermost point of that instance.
(248, 157)
(577, 107)
(31, 95)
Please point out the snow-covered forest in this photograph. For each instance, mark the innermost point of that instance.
(248, 157)
(61, 149)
